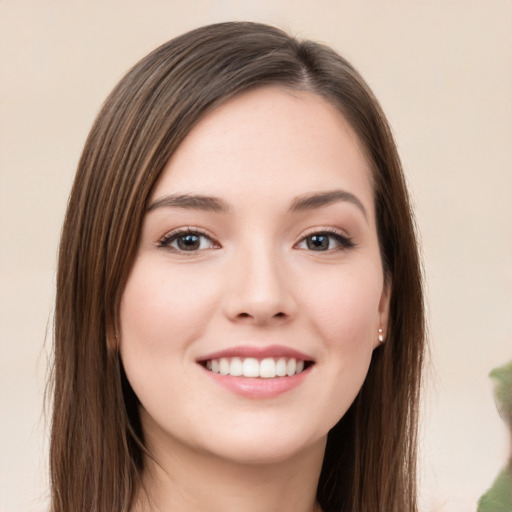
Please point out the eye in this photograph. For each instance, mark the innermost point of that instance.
(188, 240)
(325, 241)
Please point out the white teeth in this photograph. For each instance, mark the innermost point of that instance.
(251, 367)
(291, 367)
(236, 368)
(224, 366)
(281, 367)
(267, 368)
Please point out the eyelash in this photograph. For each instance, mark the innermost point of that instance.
(166, 240)
(344, 242)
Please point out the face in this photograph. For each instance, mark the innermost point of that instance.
(251, 312)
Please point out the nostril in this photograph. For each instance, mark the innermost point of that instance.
(248, 315)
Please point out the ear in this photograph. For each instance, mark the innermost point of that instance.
(383, 313)
(112, 339)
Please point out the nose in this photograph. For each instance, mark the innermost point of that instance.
(260, 289)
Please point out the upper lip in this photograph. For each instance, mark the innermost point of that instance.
(258, 352)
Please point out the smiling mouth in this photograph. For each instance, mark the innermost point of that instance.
(251, 367)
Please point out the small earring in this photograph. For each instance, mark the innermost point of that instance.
(381, 336)
(112, 342)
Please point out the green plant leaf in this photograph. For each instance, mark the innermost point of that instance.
(499, 497)
(502, 378)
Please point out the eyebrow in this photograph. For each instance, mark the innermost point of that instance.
(215, 204)
(189, 201)
(321, 199)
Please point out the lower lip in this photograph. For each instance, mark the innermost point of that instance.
(257, 387)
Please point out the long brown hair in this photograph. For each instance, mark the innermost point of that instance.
(97, 445)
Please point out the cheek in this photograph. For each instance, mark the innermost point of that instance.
(160, 304)
(344, 309)
(347, 304)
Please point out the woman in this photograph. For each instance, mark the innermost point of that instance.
(239, 320)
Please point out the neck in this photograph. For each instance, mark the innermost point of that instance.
(192, 481)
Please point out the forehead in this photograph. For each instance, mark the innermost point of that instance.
(269, 142)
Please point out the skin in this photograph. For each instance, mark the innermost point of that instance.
(254, 279)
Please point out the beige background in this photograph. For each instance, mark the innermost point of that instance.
(443, 72)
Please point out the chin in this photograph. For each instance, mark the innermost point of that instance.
(264, 446)
(267, 454)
